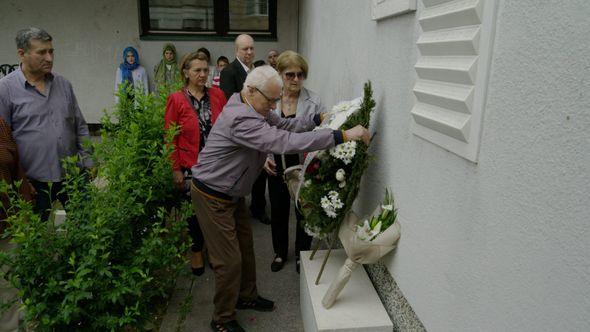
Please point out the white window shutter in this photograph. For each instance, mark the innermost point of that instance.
(455, 52)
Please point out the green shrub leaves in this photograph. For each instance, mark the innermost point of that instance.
(119, 250)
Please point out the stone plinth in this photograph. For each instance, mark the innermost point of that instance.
(357, 308)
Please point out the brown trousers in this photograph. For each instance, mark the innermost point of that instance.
(228, 234)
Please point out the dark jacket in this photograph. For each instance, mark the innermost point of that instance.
(232, 78)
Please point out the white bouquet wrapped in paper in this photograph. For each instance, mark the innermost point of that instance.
(365, 242)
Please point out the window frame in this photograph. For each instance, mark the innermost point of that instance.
(221, 25)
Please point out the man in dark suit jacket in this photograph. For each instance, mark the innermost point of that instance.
(231, 81)
(233, 76)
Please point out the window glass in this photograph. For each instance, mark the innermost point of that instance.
(177, 15)
(248, 15)
(218, 18)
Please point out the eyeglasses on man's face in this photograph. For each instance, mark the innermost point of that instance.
(270, 100)
(291, 75)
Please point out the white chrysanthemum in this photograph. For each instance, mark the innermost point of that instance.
(325, 202)
(312, 231)
(330, 203)
(342, 184)
(337, 203)
(340, 175)
(344, 151)
(307, 183)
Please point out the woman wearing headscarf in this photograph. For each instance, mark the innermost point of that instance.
(10, 172)
(131, 72)
(194, 109)
(166, 73)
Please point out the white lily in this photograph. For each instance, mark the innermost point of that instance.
(375, 231)
(363, 231)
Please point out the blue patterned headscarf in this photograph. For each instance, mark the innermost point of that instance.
(126, 67)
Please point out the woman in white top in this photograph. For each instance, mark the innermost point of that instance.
(131, 72)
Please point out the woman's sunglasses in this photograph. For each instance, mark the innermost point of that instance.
(291, 75)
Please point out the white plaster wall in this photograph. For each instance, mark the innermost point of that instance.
(501, 245)
(89, 37)
(86, 36)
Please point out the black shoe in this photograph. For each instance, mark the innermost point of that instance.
(277, 264)
(260, 304)
(297, 264)
(198, 271)
(263, 218)
(231, 326)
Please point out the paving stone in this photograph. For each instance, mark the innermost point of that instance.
(281, 287)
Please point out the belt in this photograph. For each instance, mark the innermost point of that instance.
(203, 188)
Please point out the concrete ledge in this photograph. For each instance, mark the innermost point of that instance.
(358, 308)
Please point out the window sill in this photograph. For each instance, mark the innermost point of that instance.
(190, 37)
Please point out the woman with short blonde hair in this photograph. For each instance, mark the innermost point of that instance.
(296, 101)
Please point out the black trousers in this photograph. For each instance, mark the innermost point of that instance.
(280, 206)
(46, 196)
(194, 230)
(258, 196)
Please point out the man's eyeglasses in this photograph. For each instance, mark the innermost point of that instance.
(270, 100)
(291, 75)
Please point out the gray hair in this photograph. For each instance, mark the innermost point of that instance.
(261, 76)
(24, 36)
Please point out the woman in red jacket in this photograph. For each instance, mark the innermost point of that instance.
(194, 110)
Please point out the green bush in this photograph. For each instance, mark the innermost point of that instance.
(117, 253)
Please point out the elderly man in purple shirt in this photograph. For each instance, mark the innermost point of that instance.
(235, 152)
(43, 112)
